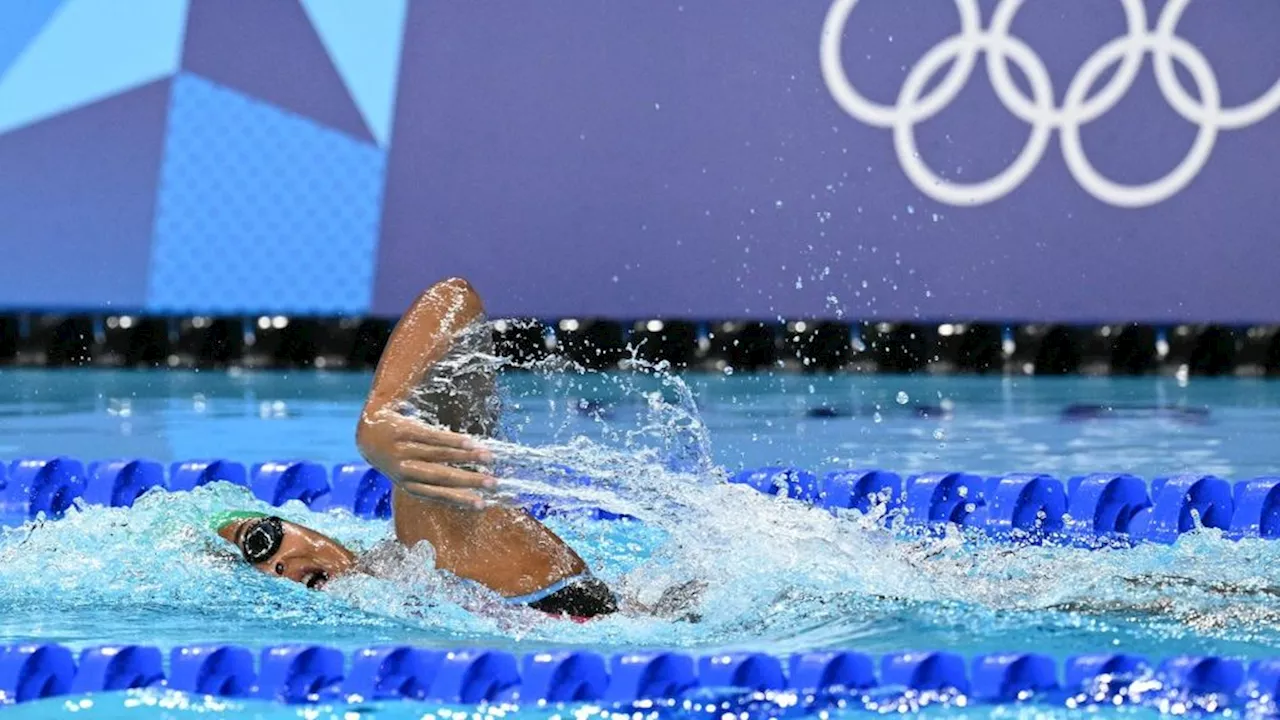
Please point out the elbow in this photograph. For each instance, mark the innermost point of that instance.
(456, 284)
(454, 298)
(364, 434)
(454, 288)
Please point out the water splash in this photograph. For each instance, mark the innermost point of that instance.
(778, 575)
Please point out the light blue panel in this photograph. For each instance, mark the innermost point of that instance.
(20, 20)
(89, 50)
(364, 41)
(261, 210)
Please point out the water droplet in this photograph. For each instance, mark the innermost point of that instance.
(911, 210)
(902, 397)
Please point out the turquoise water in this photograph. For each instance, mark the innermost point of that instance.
(781, 576)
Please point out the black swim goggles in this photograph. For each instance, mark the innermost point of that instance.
(262, 539)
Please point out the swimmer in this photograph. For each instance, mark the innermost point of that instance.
(440, 485)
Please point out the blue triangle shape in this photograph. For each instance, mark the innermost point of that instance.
(364, 41)
(90, 50)
(21, 21)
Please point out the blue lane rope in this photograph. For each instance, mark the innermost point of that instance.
(1026, 506)
(1034, 507)
(1088, 510)
(35, 487)
(316, 673)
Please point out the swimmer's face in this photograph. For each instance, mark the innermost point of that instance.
(279, 547)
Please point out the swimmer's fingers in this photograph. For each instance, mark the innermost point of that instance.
(437, 454)
(413, 431)
(429, 473)
(453, 496)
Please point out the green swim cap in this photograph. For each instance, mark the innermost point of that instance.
(219, 520)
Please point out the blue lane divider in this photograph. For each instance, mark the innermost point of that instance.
(1257, 508)
(1178, 498)
(225, 670)
(1006, 678)
(564, 676)
(358, 488)
(1026, 507)
(49, 486)
(925, 671)
(1024, 503)
(280, 482)
(788, 482)
(474, 676)
(649, 676)
(937, 498)
(391, 672)
(300, 673)
(192, 474)
(1201, 675)
(815, 671)
(118, 483)
(1082, 670)
(313, 673)
(45, 486)
(118, 668)
(751, 671)
(34, 672)
(1104, 505)
(858, 489)
(1034, 506)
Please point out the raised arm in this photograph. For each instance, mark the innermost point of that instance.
(498, 546)
(418, 457)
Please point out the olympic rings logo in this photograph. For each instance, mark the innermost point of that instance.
(1078, 109)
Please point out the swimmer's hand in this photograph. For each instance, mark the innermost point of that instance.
(420, 459)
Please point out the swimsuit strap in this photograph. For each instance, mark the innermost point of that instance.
(577, 597)
(549, 590)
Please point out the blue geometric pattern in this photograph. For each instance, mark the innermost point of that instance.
(21, 22)
(364, 40)
(89, 50)
(260, 208)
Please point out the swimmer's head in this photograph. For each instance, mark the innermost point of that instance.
(279, 547)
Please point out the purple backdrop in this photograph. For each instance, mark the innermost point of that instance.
(663, 157)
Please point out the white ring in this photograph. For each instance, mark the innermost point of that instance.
(1078, 109)
(1133, 196)
(885, 116)
(1226, 118)
(1002, 82)
(1011, 177)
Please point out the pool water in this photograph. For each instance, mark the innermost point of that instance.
(780, 576)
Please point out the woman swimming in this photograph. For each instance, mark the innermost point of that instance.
(440, 488)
